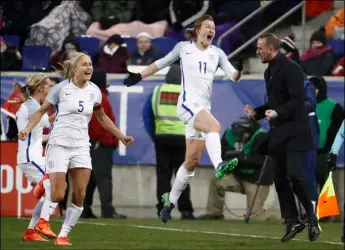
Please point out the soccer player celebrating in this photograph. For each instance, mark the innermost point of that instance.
(75, 98)
(29, 156)
(199, 63)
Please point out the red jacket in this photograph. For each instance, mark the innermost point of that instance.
(116, 63)
(96, 131)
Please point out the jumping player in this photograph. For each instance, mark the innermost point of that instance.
(199, 62)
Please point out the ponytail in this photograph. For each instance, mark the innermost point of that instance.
(190, 33)
(23, 93)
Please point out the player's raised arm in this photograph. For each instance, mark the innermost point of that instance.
(134, 78)
(233, 73)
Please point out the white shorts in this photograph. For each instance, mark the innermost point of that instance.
(33, 171)
(61, 158)
(187, 112)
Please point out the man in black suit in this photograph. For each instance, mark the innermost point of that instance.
(289, 137)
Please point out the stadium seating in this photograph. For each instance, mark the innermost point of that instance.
(36, 58)
(337, 46)
(131, 43)
(164, 44)
(12, 40)
(90, 45)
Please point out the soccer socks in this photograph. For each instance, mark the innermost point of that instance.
(72, 215)
(213, 147)
(48, 206)
(183, 177)
(36, 214)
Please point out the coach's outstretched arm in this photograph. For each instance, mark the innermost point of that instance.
(35, 119)
(134, 78)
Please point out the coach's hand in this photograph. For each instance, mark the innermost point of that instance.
(127, 141)
(239, 65)
(332, 162)
(22, 135)
(249, 111)
(271, 114)
(132, 79)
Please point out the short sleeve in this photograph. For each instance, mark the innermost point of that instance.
(53, 95)
(170, 58)
(22, 117)
(98, 99)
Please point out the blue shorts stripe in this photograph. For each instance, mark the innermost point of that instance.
(188, 110)
(38, 167)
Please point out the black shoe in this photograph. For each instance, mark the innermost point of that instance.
(313, 230)
(115, 216)
(210, 217)
(187, 215)
(88, 215)
(292, 229)
(304, 219)
(342, 237)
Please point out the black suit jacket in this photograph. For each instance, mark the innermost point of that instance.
(285, 90)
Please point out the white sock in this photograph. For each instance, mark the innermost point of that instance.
(72, 215)
(48, 206)
(213, 147)
(183, 177)
(36, 214)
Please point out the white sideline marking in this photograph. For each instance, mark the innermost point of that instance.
(201, 232)
(195, 231)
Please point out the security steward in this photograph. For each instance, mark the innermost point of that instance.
(169, 139)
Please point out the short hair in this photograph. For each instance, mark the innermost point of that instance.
(272, 40)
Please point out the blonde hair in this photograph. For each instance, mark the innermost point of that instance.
(30, 87)
(68, 66)
(190, 33)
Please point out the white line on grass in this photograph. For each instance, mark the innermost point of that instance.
(196, 231)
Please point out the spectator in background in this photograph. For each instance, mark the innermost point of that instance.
(330, 116)
(338, 69)
(288, 48)
(242, 140)
(145, 54)
(103, 145)
(109, 13)
(70, 44)
(335, 26)
(113, 57)
(11, 59)
(168, 135)
(319, 59)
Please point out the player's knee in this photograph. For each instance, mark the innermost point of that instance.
(215, 127)
(57, 195)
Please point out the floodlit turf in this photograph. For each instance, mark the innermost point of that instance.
(176, 234)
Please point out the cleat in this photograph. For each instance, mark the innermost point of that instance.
(226, 167)
(168, 207)
(39, 188)
(313, 230)
(43, 227)
(62, 241)
(31, 235)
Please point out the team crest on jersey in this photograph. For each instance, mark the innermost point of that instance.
(92, 96)
(211, 56)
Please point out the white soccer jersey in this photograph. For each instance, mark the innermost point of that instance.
(74, 107)
(31, 149)
(198, 69)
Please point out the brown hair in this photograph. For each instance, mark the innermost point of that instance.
(30, 87)
(272, 40)
(69, 65)
(190, 33)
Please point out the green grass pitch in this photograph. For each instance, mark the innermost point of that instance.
(176, 234)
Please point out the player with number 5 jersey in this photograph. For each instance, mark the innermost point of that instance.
(68, 149)
(199, 61)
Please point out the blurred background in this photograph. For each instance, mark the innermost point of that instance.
(118, 35)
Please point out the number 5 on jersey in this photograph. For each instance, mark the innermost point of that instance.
(81, 106)
(201, 68)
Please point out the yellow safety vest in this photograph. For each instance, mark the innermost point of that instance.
(164, 102)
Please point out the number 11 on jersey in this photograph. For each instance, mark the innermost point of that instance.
(202, 69)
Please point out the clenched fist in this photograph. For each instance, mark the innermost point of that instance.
(127, 141)
(22, 135)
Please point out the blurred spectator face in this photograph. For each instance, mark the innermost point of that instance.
(69, 47)
(143, 43)
(316, 44)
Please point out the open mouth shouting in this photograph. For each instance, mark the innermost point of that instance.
(210, 37)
